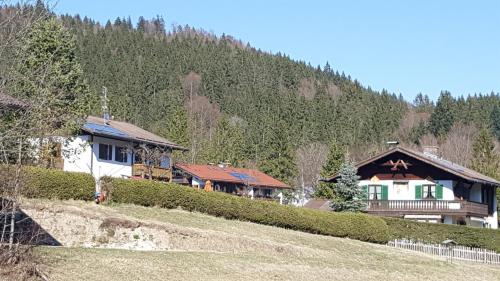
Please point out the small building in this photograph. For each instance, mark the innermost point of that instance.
(424, 187)
(238, 181)
(112, 148)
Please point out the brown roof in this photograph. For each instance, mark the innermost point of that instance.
(320, 204)
(230, 174)
(126, 131)
(437, 162)
(11, 102)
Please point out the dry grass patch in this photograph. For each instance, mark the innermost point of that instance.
(203, 247)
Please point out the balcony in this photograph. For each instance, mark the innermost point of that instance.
(142, 170)
(442, 207)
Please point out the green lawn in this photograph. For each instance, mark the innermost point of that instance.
(210, 248)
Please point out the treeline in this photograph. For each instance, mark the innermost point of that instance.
(228, 101)
(225, 100)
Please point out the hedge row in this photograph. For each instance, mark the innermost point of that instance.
(39, 182)
(57, 184)
(148, 193)
(436, 233)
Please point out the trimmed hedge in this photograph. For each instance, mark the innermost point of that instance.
(437, 233)
(56, 184)
(149, 193)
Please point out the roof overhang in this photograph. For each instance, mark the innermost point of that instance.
(423, 159)
(134, 140)
(215, 179)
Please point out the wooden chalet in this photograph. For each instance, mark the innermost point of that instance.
(422, 186)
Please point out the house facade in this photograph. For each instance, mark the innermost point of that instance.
(421, 186)
(237, 181)
(115, 149)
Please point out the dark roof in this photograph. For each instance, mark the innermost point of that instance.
(435, 161)
(125, 131)
(319, 204)
(230, 174)
(10, 102)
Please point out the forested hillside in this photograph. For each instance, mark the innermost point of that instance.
(228, 101)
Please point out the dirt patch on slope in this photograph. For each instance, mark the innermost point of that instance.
(82, 224)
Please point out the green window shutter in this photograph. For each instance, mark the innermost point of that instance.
(418, 192)
(385, 192)
(439, 191)
(365, 191)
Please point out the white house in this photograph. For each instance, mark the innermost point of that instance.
(421, 186)
(110, 148)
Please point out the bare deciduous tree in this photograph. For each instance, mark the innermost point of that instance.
(310, 159)
(457, 147)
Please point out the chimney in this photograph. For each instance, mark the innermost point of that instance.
(431, 150)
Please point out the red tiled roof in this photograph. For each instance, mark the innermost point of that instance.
(230, 174)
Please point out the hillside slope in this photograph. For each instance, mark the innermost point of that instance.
(201, 247)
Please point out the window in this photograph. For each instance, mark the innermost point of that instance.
(105, 151)
(429, 191)
(121, 154)
(374, 192)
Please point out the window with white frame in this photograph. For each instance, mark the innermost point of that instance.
(105, 151)
(428, 191)
(374, 192)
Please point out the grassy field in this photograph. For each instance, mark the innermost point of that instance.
(202, 247)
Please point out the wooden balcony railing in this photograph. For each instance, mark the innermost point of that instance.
(427, 206)
(141, 170)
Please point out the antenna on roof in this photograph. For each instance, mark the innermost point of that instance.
(104, 105)
(392, 143)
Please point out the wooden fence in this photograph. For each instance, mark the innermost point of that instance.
(449, 252)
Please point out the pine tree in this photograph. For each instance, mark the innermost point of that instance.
(349, 195)
(334, 160)
(279, 160)
(444, 115)
(495, 121)
(49, 73)
(485, 159)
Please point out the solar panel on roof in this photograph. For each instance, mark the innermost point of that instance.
(103, 129)
(242, 176)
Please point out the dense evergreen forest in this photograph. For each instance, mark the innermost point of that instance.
(228, 101)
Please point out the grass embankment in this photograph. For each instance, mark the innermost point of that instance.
(203, 247)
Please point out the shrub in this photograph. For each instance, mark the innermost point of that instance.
(436, 233)
(56, 184)
(148, 193)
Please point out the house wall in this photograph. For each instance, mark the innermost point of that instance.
(409, 192)
(77, 154)
(80, 155)
(492, 220)
(198, 182)
(110, 167)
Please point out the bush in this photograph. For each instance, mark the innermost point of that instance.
(56, 184)
(437, 233)
(148, 193)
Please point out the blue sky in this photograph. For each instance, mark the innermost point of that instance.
(403, 46)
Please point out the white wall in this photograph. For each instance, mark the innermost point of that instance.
(198, 182)
(77, 154)
(493, 219)
(409, 192)
(110, 167)
(80, 156)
